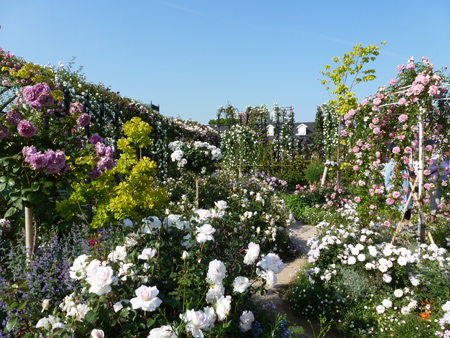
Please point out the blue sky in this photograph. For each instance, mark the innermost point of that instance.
(193, 56)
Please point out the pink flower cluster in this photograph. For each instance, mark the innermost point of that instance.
(38, 96)
(13, 117)
(76, 108)
(53, 162)
(26, 129)
(105, 157)
(4, 132)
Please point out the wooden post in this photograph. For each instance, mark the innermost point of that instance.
(29, 232)
(422, 225)
(196, 189)
(324, 175)
(338, 172)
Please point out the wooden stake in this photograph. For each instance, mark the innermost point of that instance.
(29, 232)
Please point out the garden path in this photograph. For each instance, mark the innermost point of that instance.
(299, 233)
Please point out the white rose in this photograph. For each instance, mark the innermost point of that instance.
(203, 215)
(147, 253)
(79, 266)
(174, 221)
(149, 224)
(351, 260)
(252, 253)
(398, 293)
(269, 276)
(117, 306)
(146, 298)
(386, 303)
(45, 322)
(223, 307)
(216, 272)
(204, 233)
(247, 318)
(97, 333)
(162, 332)
(221, 205)
(119, 254)
(240, 284)
(380, 309)
(100, 280)
(214, 293)
(198, 321)
(127, 223)
(271, 262)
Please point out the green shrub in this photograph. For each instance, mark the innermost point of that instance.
(314, 171)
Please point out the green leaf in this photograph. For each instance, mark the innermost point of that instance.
(151, 321)
(11, 211)
(3, 179)
(22, 305)
(2, 186)
(11, 323)
(48, 184)
(11, 182)
(90, 317)
(13, 305)
(18, 204)
(35, 186)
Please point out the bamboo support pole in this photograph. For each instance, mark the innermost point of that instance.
(29, 232)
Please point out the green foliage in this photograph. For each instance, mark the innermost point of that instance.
(239, 147)
(136, 193)
(348, 74)
(313, 172)
(292, 171)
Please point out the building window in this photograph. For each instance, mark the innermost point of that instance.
(270, 130)
(301, 130)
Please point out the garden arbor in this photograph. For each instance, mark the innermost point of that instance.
(411, 109)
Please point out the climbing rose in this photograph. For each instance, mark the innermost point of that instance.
(26, 129)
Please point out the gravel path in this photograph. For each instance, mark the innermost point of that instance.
(300, 233)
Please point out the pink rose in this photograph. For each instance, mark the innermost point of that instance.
(389, 201)
(357, 199)
(26, 129)
(401, 102)
(402, 118)
(400, 68)
(376, 101)
(408, 150)
(355, 149)
(396, 150)
(433, 90)
(392, 82)
(410, 66)
(396, 194)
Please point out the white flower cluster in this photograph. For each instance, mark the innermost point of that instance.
(446, 319)
(4, 225)
(179, 156)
